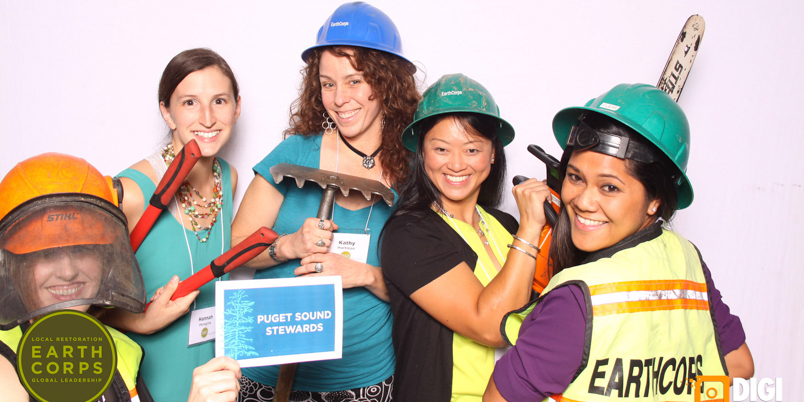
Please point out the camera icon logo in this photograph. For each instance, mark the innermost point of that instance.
(712, 392)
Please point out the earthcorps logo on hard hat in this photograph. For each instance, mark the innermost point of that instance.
(609, 106)
(449, 93)
(339, 24)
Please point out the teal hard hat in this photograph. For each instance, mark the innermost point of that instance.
(362, 25)
(455, 93)
(651, 113)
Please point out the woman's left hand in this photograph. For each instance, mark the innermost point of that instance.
(160, 313)
(163, 311)
(353, 274)
(217, 380)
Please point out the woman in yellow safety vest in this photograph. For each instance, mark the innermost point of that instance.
(631, 311)
(64, 245)
(453, 263)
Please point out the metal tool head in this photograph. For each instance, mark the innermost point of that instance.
(326, 178)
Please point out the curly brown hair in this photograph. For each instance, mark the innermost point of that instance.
(393, 82)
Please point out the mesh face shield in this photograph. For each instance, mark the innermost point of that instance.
(66, 251)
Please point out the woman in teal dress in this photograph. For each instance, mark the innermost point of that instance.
(198, 99)
(360, 89)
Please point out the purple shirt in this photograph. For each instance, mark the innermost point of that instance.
(551, 341)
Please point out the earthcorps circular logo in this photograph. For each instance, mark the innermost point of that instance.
(66, 356)
(346, 254)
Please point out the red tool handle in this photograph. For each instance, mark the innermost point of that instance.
(167, 187)
(239, 255)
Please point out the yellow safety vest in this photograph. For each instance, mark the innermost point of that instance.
(129, 355)
(473, 363)
(649, 326)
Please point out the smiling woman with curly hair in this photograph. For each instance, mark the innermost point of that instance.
(357, 95)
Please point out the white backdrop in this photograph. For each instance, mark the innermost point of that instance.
(81, 77)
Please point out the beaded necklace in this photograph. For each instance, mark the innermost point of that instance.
(188, 200)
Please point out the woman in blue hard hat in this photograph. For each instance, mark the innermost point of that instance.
(358, 93)
(199, 100)
(453, 263)
(632, 311)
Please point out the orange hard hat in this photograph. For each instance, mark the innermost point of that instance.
(53, 173)
(60, 203)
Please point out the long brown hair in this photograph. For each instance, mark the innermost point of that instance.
(393, 83)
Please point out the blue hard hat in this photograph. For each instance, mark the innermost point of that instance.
(363, 25)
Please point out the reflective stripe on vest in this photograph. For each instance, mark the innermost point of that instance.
(636, 296)
(651, 329)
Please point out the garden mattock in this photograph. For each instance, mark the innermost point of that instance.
(330, 182)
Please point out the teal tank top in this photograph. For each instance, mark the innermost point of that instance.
(170, 249)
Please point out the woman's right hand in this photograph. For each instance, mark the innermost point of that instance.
(310, 239)
(530, 196)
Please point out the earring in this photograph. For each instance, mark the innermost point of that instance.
(654, 209)
(492, 160)
(328, 125)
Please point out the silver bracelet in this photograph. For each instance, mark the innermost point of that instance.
(526, 242)
(272, 250)
(519, 249)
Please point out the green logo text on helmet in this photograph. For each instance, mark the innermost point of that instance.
(648, 111)
(455, 93)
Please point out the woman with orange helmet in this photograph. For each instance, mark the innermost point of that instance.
(64, 245)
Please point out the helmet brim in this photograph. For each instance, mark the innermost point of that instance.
(60, 226)
(367, 45)
(410, 137)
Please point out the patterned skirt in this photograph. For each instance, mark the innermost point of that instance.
(253, 391)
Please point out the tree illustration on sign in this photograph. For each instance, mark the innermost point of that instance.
(236, 326)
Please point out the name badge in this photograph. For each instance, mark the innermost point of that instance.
(351, 245)
(202, 326)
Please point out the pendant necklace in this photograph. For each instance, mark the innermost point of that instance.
(450, 217)
(480, 232)
(368, 160)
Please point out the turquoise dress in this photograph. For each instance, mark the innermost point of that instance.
(368, 354)
(166, 251)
